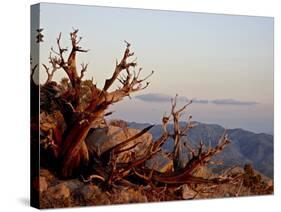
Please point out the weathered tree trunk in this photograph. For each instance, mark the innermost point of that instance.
(74, 150)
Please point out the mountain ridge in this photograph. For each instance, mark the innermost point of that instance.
(245, 147)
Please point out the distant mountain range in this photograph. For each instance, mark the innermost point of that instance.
(245, 147)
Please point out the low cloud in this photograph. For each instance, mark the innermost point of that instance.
(232, 102)
(158, 97)
(154, 97)
(200, 101)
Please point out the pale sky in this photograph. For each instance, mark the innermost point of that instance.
(197, 55)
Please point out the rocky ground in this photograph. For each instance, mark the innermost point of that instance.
(56, 193)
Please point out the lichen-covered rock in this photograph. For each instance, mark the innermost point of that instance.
(187, 192)
(102, 139)
(128, 195)
(73, 192)
(59, 191)
(203, 172)
(73, 184)
(160, 162)
(89, 191)
(40, 184)
(43, 185)
(49, 176)
(93, 195)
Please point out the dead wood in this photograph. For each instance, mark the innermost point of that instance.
(84, 106)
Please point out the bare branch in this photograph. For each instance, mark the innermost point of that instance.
(83, 70)
(59, 61)
(75, 42)
(128, 148)
(123, 65)
(177, 131)
(92, 177)
(130, 83)
(185, 175)
(118, 147)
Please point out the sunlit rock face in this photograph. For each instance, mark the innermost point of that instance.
(102, 139)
